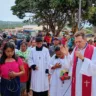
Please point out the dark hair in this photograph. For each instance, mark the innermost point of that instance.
(28, 39)
(80, 33)
(39, 39)
(4, 35)
(94, 41)
(23, 43)
(3, 57)
(70, 49)
(57, 49)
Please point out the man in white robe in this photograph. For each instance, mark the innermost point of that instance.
(39, 60)
(59, 63)
(83, 70)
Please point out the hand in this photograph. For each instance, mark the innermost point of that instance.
(67, 78)
(12, 74)
(64, 50)
(58, 65)
(79, 55)
(36, 68)
(30, 93)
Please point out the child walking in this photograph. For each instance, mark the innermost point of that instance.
(24, 78)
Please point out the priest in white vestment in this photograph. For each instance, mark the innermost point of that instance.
(83, 67)
(59, 63)
(38, 60)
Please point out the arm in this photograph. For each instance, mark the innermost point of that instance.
(67, 61)
(53, 65)
(67, 56)
(31, 61)
(71, 63)
(48, 61)
(89, 66)
(22, 71)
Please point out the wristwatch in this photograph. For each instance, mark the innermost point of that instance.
(82, 60)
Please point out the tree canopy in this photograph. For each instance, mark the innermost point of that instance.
(54, 13)
(93, 19)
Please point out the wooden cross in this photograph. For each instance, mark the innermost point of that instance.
(86, 83)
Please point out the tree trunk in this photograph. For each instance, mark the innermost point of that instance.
(57, 33)
(75, 28)
(74, 23)
(52, 28)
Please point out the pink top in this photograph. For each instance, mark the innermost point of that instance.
(10, 66)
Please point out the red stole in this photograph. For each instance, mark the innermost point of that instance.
(86, 81)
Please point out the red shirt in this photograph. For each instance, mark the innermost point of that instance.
(64, 40)
(48, 39)
(24, 78)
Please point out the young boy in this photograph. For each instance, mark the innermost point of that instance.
(59, 82)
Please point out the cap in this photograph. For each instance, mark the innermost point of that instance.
(57, 48)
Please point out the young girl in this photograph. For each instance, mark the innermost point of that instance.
(11, 68)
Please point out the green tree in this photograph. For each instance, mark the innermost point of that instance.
(93, 22)
(53, 13)
(93, 19)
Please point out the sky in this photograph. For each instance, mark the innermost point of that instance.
(5, 12)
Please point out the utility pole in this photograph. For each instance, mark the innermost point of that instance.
(79, 21)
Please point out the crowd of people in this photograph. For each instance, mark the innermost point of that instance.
(48, 65)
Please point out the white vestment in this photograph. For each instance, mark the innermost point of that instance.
(39, 79)
(57, 87)
(88, 67)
